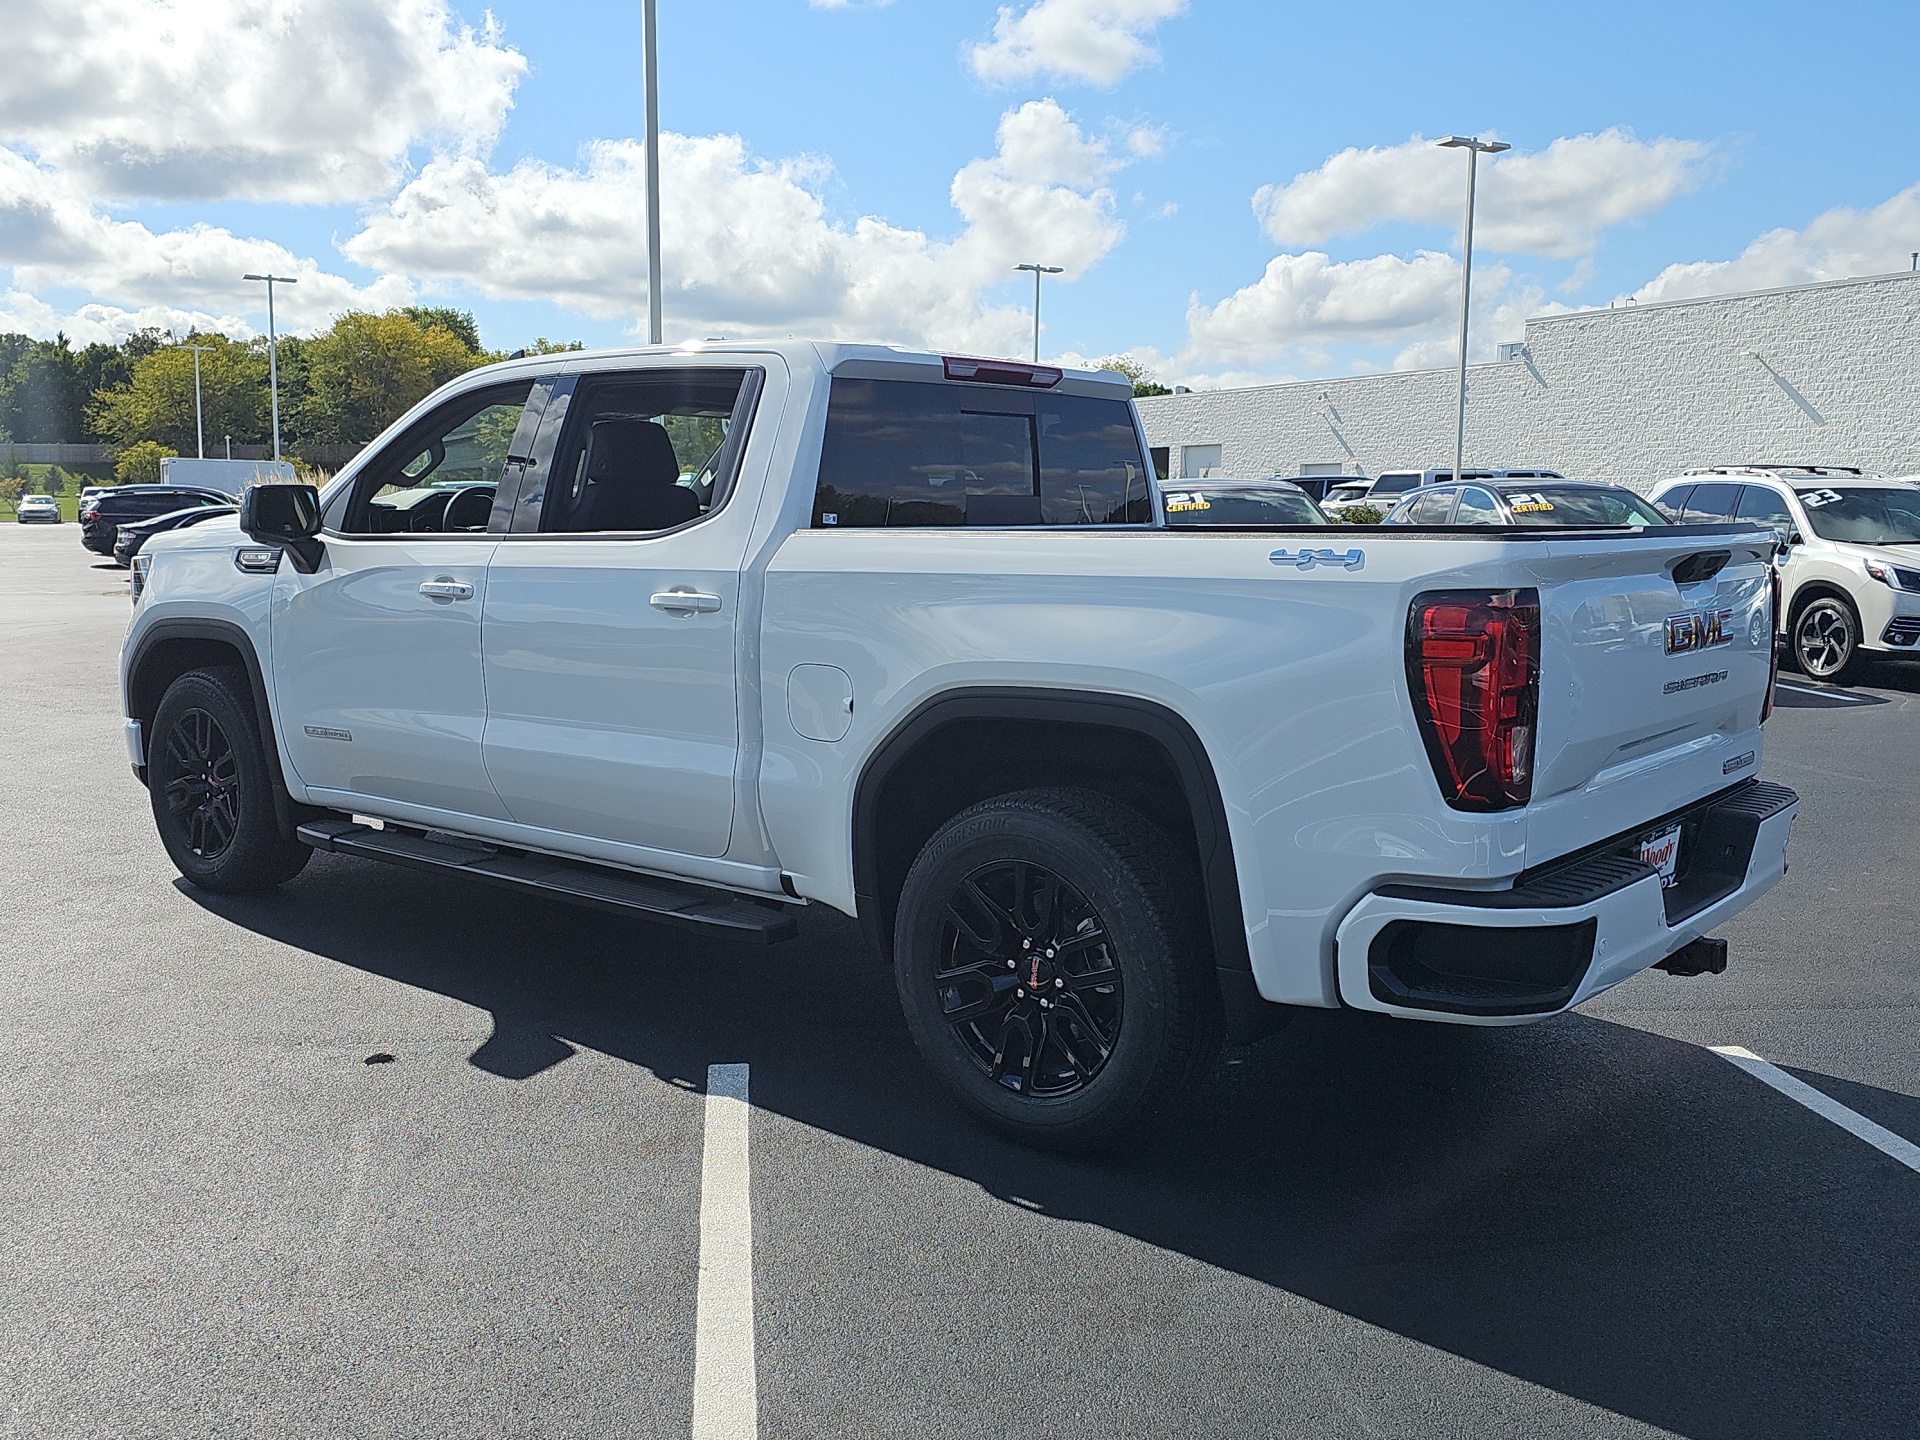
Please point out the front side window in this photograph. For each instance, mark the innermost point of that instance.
(1863, 514)
(1764, 507)
(442, 475)
(906, 453)
(645, 452)
(1395, 485)
(1477, 507)
(1711, 504)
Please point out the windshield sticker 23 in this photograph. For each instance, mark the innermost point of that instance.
(1305, 559)
(1814, 499)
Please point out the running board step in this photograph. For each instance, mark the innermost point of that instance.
(714, 911)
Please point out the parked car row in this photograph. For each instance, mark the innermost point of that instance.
(1847, 543)
(106, 513)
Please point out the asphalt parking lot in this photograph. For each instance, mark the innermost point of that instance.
(216, 1218)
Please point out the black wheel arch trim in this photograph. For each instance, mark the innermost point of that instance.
(286, 810)
(1247, 1013)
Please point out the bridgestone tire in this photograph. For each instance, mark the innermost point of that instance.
(1165, 998)
(251, 852)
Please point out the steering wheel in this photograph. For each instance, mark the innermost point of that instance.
(469, 509)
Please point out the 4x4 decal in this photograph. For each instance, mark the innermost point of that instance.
(1306, 559)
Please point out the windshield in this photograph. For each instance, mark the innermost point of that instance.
(1578, 505)
(1242, 505)
(1877, 515)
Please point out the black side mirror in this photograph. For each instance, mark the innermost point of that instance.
(285, 515)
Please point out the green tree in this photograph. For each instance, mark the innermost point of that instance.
(40, 396)
(368, 370)
(1142, 378)
(544, 346)
(156, 402)
(140, 464)
(458, 322)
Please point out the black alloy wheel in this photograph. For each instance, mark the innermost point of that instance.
(1053, 967)
(1826, 639)
(203, 795)
(212, 786)
(1028, 980)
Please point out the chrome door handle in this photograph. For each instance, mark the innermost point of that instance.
(684, 602)
(446, 589)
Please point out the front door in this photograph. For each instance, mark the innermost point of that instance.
(376, 655)
(611, 623)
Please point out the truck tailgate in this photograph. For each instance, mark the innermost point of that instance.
(1655, 661)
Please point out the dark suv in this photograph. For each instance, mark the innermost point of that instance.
(102, 515)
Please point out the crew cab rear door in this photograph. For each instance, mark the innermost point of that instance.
(612, 618)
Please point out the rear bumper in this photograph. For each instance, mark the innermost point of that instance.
(1562, 934)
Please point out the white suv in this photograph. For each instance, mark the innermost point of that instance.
(1849, 558)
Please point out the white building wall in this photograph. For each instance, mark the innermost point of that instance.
(1817, 374)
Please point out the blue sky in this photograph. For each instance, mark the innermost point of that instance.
(1127, 139)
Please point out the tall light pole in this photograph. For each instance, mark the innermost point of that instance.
(1475, 148)
(273, 353)
(650, 63)
(199, 424)
(1038, 271)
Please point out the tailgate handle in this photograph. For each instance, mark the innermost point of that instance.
(1702, 565)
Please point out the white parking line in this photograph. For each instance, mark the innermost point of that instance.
(1838, 696)
(1825, 1106)
(726, 1402)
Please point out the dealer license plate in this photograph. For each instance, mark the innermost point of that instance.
(1662, 852)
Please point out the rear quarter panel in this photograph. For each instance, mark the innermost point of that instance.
(1292, 680)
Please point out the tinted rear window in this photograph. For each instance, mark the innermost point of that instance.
(904, 452)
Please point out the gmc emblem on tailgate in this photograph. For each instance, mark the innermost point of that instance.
(1698, 630)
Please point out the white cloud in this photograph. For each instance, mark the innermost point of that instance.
(25, 314)
(54, 239)
(1312, 300)
(1099, 42)
(747, 245)
(1554, 202)
(302, 100)
(1305, 304)
(1840, 243)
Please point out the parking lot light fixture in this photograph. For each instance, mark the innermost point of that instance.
(199, 422)
(273, 359)
(1475, 148)
(1038, 271)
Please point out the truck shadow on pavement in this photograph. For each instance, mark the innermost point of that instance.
(1593, 1209)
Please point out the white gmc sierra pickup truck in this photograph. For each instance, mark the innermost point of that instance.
(711, 633)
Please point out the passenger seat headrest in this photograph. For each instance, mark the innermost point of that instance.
(636, 451)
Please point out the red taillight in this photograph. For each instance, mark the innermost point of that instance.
(1773, 644)
(1473, 664)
